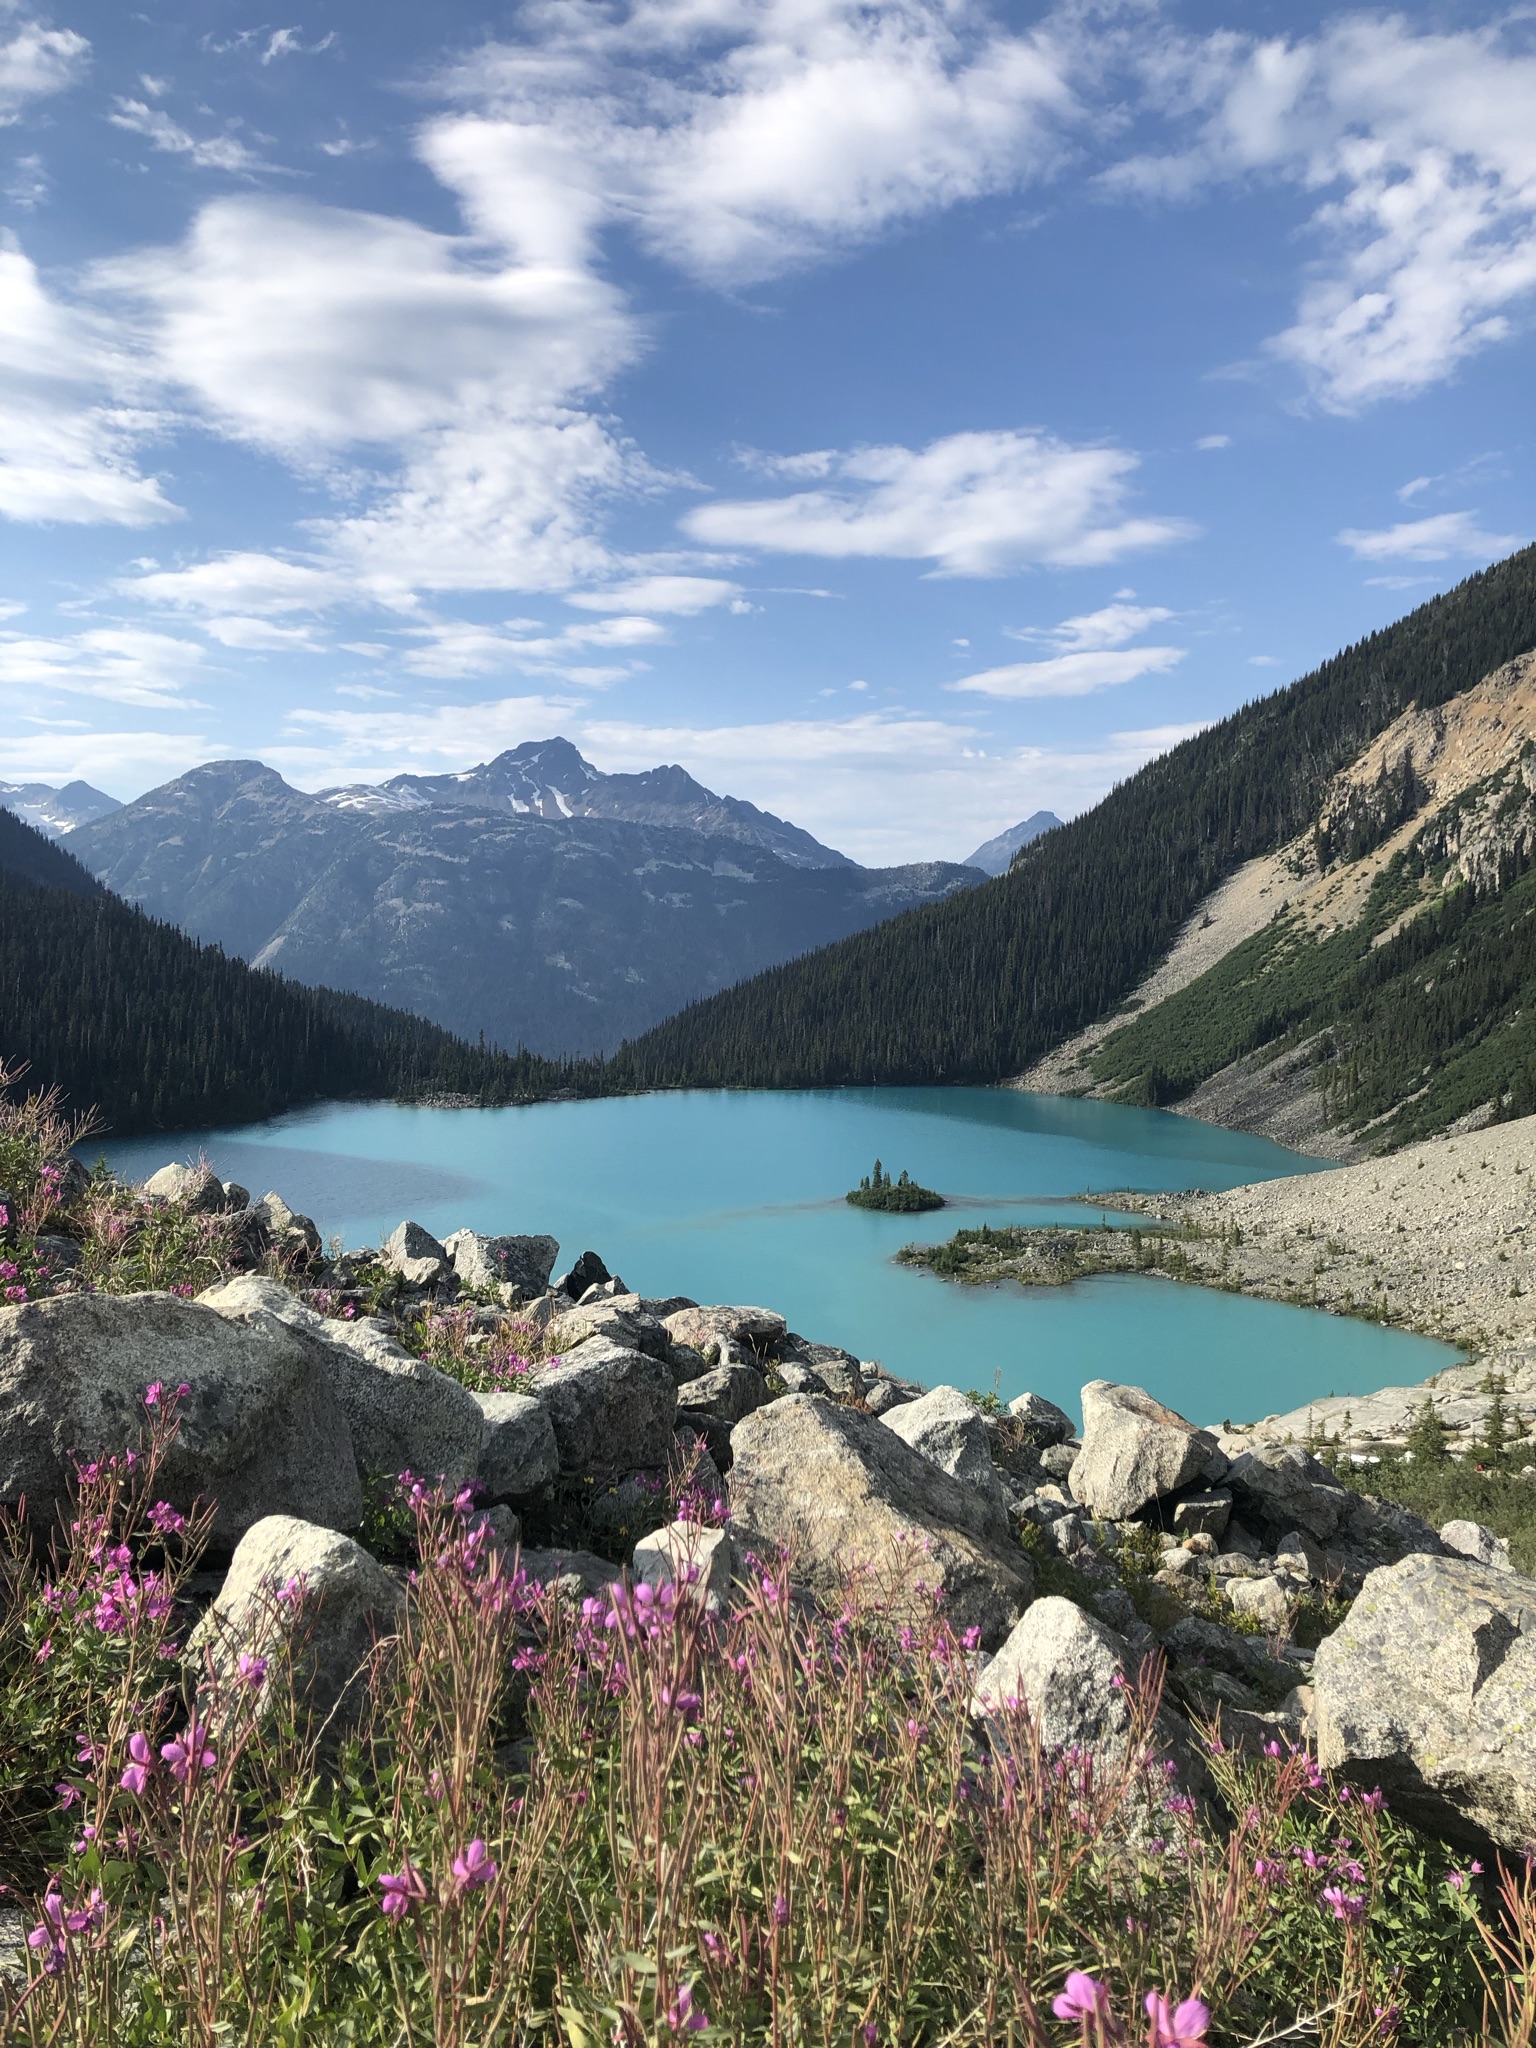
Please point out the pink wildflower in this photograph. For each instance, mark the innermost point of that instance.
(1181, 2027)
(683, 2016)
(136, 1775)
(190, 1754)
(473, 1866)
(1083, 1998)
(1347, 1906)
(404, 1890)
(253, 1670)
(153, 1392)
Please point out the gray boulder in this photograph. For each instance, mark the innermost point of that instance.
(611, 1410)
(487, 1262)
(193, 1188)
(621, 1319)
(842, 1493)
(800, 1379)
(1203, 1514)
(1471, 1539)
(949, 1431)
(285, 1229)
(403, 1414)
(1045, 1422)
(1263, 1598)
(261, 1430)
(518, 1458)
(885, 1396)
(1428, 1688)
(753, 1328)
(574, 1574)
(685, 1554)
(1287, 1488)
(345, 1603)
(1135, 1451)
(1075, 1676)
(725, 1395)
(415, 1255)
(838, 1370)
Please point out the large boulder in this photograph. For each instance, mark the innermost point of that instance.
(611, 1410)
(1044, 1422)
(487, 1262)
(403, 1414)
(1428, 1688)
(843, 1494)
(415, 1255)
(753, 1329)
(949, 1431)
(726, 1394)
(338, 1602)
(690, 1555)
(1076, 1676)
(619, 1318)
(518, 1457)
(1284, 1487)
(1135, 1451)
(1471, 1539)
(261, 1430)
(197, 1189)
(294, 1236)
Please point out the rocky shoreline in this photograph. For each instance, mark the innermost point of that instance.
(698, 1441)
(1439, 1238)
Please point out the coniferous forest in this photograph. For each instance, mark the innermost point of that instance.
(974, 988)
(159, 1032)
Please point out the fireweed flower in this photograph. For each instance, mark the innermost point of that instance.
(473, 1866)
(1083, 1998)
(404, 1890)
(1181, 2027)
(189, 1754)
(683, 2016)
(137, 1773)
(780, 1911)
(1347, 1906)
(253, 1670)
(153, 1392)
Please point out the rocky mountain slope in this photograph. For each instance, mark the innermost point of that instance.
(1371, 979)
(53, 810)
(532, 900)
(994, 855)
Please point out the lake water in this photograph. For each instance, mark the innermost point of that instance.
(732, 1196)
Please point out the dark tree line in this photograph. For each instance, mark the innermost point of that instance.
(974, 988)
(160, 1032)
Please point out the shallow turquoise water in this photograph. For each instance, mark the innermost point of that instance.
(733, 1196)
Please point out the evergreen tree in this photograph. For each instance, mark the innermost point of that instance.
(1426, 1440)
(1495, 1438)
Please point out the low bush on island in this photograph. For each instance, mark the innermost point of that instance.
(903, 1196)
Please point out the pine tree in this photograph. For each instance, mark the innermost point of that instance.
(1426, 1440)
(1495, 1439)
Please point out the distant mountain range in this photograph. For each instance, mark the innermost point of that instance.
(56, 811)
(532, 899)
(994, 856)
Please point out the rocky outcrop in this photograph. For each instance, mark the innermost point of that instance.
(294, 1236)
(1471, 1539)
(403, 1414)
(753, 1329)
(1428, 1688)
(1135, 1451)
(841, 1492)
(689, 1555)
(725, 1395)
(519, 1458)
(416, 1255)
(261, 1432)
(485, 1263)
(611, 1410)
(310, 1591)
(949, 1431)
(1043, 1422)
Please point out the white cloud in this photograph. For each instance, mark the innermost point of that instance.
(1263, 661)
(124, 764)
(284, 42)
(1070, 675)
(209, 153)
(683, 595)
(35, 61)
(66, 433)
(262, 636)
(1209, 441)
(739, 140)
(1448, 536)
(1418, 151)
(976, 504)
(118, 664)
(1112, 626)
(241, 582)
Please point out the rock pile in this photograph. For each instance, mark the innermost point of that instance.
(1066, 1560)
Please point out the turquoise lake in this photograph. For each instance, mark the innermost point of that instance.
(731, 1196)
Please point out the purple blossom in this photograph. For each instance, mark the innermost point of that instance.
(404, 1890)
(473, 1866)
(683, 2016)
(253, 1670)
(1347, 1906)
(137, 1774)
(1083, 1998)
(189, 1754)
(780, 1910)
(1181, 2027)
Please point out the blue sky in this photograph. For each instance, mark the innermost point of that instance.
(907, 416)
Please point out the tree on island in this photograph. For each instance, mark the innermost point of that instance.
(878, 1191)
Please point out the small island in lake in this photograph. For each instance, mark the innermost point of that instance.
(878, 1191)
